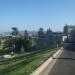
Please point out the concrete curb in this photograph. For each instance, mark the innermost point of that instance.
(41, 69)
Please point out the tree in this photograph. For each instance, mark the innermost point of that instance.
(26, 44)
(40, 42)
(26, 34)
(58, 40)
(8, 43)
(0, 41)
(18, 42)
(41, 33)
(26, 41)
(50, 39)
(15, 31)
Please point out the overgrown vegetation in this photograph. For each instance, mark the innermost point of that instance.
(18, 42)
(29, 51)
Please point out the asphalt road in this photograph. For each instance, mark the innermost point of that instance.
(62, 65)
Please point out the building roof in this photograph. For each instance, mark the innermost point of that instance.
(70, 26)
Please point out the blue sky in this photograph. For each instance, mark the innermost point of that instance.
(33, 14)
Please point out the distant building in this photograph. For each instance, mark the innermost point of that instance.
(68, 29)
(58, 33)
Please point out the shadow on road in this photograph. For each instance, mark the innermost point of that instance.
(64, 58)
(65, 64)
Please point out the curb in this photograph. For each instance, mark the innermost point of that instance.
(41, 69)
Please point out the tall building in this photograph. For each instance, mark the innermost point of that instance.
(68, 29)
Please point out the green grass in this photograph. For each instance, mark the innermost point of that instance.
(25, 64)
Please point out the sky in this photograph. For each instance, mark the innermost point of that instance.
(33, 14)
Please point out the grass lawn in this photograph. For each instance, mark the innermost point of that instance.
(25, 64)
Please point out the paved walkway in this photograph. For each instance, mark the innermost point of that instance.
(65, 64)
